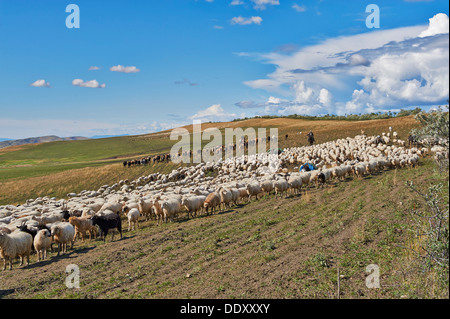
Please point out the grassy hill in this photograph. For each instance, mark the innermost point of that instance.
(293, 247)
(57, 168)
(270, 248)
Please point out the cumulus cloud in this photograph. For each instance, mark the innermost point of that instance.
(246, 21)
(214, 113)
(308, 101)
(40, 84)
(124, 69)
(236, 3)
(437, 25)
(94, 68)
(88, 84)
(378, 70)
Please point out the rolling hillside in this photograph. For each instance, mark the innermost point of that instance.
(271, 248)
(57, 168)
(37, 140)
(300, 246)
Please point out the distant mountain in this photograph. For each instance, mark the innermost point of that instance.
(95, 137)
(4, 139)
(41, 139)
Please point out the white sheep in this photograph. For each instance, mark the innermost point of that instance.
(267, 186)
(193, 203)
(16, 244)
(253, 189)
(226, 197)
(171, 207)
(63, 233)
(359, 170)
(158, 211)
(128, 206)
(42, 242)
(281, 186)
(133, 219)
(295, 184)
(235, 195)
(145, 207)
(113, 206)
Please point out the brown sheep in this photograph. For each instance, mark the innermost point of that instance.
(212, 201)
(83, 225)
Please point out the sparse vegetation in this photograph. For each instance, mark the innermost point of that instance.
(431, 224)
(271, 248)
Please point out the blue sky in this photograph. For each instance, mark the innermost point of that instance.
(212, 60)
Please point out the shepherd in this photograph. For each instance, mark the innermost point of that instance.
(311, 139)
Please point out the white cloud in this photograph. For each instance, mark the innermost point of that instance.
(88, 84)
(214, 113)
(325, 97)
(303, 94)
(236, 3)
(382, 70)
(438, 24)
(298, 8)
(94, 68)
(124, 69)
(246, 21)
(40, 84)
(414, 77)
(262, 4)
(308, 101)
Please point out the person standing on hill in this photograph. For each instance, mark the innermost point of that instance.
(310, 137)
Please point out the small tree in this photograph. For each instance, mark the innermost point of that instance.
(432, 224)
(434, 228)
(434, 130)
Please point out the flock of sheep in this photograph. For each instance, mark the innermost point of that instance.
(200, 189)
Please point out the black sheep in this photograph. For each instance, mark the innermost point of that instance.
(105, 223)
(321, 178)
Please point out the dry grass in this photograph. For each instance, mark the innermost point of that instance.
(270, 248)
(60, 184)
(32, 177)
